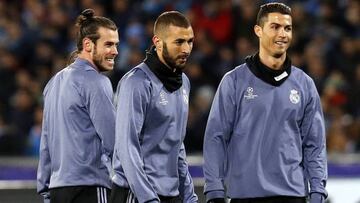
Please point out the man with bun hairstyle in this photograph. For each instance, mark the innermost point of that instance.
(265, 137)
(78, 128)
(152, 109)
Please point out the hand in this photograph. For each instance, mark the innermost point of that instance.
(217, 200)
(46, 197)
(316, 198)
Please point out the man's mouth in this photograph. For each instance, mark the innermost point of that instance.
(281, 43)
(110, 60)
(183, 58)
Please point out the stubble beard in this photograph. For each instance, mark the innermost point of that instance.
(98, 61)
(169, 60)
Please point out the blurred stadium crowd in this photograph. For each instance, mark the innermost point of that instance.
(37, 36)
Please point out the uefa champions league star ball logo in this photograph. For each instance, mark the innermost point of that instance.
(294, 96)
(250, 93)
(163, 100)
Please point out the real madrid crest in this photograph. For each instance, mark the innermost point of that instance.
(294, 96)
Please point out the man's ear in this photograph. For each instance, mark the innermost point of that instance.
(157, 42)
(87, 44)
(258, 30)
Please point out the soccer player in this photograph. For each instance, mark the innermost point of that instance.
(152, 110)
(265, 136)
(78, 129)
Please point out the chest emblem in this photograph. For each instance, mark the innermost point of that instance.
(250, 93)
(163, 100)
(294, 96)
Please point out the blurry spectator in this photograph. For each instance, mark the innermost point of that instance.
(354, 94)
(335, 90)
(207, 57)
(352, 18)
(179, 5)
(347, 58)
(244, 15)
(354, 131)
(198, 118)
(9, 144)
(153, 7)
(33, 141)
(314, 57)
(336, 140)
(243, 48)
(226, 60)
(214, 17)
(21, 113)
(43, 55)
(121, 14)
(36, 37)
(8, 68)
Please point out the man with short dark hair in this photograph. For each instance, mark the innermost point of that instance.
(265, 136)
(152, 109)
(78, 130)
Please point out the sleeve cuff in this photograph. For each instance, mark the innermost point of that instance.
(215, 194)
(46, 200)
(317, 198)
(153, 201)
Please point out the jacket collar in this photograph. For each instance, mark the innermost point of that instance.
(172, 80)
(266, 74)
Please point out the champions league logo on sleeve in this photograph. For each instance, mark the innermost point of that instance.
(294, 96)
(250, 93)
(163, 100)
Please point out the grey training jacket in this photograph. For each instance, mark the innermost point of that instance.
(149, 155)
(78, 130)
(263, 140)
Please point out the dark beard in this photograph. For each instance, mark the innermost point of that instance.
(170, 61)
(278, 55)
(97, 61)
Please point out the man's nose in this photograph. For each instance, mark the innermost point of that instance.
(114, 50)
(186, 48)
(282, 32)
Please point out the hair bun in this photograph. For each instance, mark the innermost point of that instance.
(88, 13)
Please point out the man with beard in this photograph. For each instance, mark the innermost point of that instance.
(151, 116)
(78, 130)
(265, 136)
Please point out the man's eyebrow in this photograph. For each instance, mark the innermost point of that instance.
(285, 25)
(180, 40)
(111, 42)
(183, 40)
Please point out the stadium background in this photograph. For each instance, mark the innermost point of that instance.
(36, 37)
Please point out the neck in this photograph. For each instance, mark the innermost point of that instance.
(161, 58)
(87, 56)
(271, 61)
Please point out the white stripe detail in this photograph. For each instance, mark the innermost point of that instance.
(127, 198)
(132, 197)
(98, 194)
(101, 195)
(105, 196)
